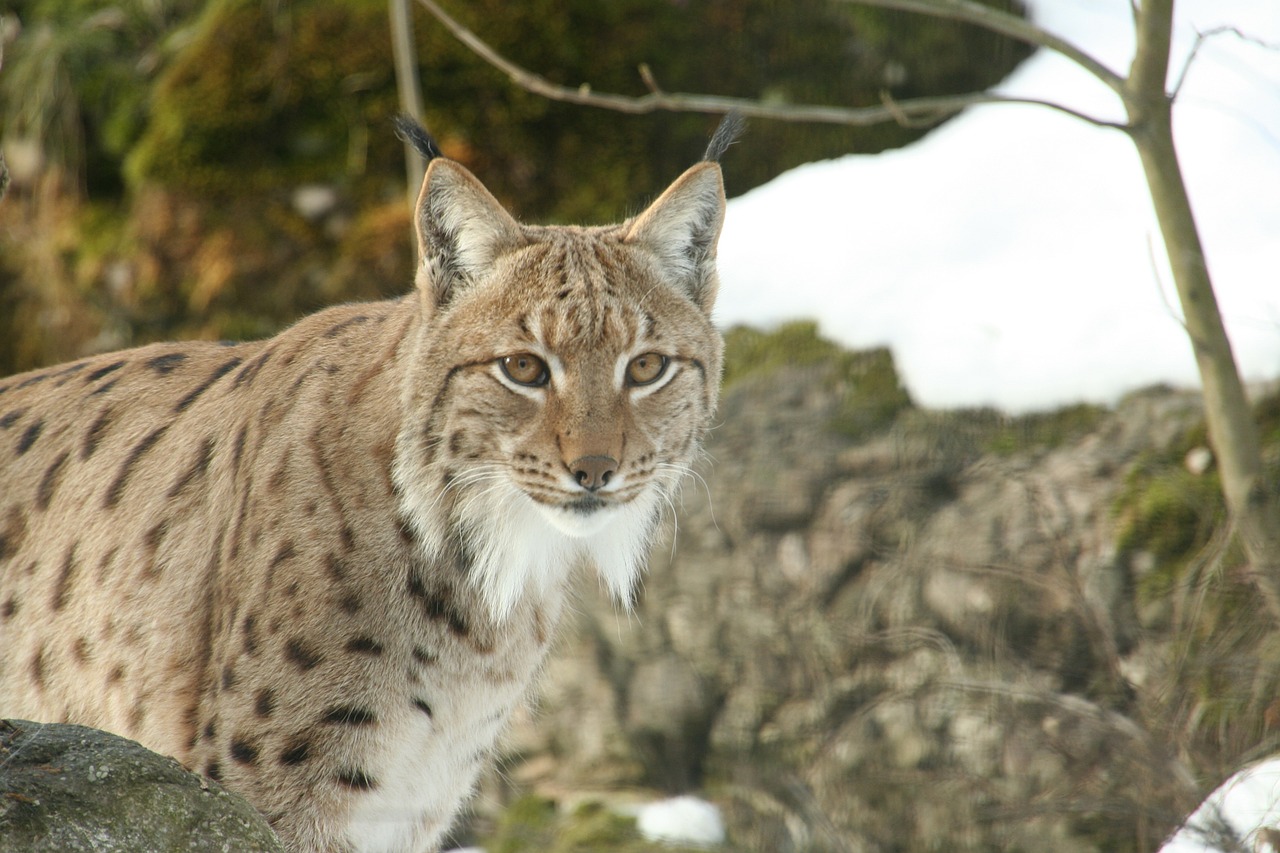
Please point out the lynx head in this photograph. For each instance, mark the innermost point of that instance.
(561, 380)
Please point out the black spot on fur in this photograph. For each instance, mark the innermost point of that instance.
(228, 678)
(350, 603)
(94, 435)
(421, 705)
(357, 780)
(167, 363)
(301, 655)
(49, 482)
(9, 607)
(103, 371)
(210, 730)
(264, 703)
(139, 450)
(37, 668)
(348, 715)
(237, 450)
(334, 331)
(424, 657)
(11, 418)
(295, 753)
(33, 380)
(437, 608)
(364, 646)
(244, 751)
(67, 372)
(13, 534)
(221, 371)
(285, 552)
(199, 467)
(213, 771)
(29, 437)
(65, 576)
(250, 627)
(250, 370)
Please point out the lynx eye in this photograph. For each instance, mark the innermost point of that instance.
(646, 369)
(525, 369)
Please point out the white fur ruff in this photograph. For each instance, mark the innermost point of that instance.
(518, 546)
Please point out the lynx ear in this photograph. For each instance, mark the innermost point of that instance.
(462, 229)
(682, 228)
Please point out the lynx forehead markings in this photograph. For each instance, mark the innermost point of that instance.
(324, 568)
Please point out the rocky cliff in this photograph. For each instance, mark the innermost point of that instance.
(877, 629)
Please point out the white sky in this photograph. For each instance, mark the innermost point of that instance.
(1010, 257)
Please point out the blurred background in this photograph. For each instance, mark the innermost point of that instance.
(883, 625)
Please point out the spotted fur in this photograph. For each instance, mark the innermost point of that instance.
(324, 568)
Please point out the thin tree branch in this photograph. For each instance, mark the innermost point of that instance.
(913, 112)
(1202, 37)
(406, 64)
(1006, 24)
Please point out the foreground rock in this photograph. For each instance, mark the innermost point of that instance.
(70, 788)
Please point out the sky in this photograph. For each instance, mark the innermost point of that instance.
(1011, 258)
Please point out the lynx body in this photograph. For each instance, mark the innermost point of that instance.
(324, 568)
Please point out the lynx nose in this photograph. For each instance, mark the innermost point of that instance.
(593, 472)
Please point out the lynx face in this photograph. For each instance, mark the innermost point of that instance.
(568, 377)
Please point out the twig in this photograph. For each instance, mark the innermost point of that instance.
(915, 111)
(1202, 37)
(1004, 23)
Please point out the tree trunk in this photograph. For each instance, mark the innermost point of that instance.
(1253, 507)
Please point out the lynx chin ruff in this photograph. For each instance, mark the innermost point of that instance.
(324, 568)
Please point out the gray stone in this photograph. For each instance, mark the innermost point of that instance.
(69, 788)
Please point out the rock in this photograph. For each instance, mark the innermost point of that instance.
(66, 788)
(913, 637)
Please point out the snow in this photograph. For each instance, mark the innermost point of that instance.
(682, 820)
(1011, 257)
(1247, 805)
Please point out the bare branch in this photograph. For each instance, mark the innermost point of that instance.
(1202, 37)
(1004, 23)
(913, 112)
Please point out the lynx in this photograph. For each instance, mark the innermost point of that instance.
(324, 568)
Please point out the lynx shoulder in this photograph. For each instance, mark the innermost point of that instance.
(324, 568)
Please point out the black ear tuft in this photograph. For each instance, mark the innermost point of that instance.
(416, 135)
(726, 134)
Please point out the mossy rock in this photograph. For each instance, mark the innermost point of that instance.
(871, 392)
(260, 101)
(67, 788)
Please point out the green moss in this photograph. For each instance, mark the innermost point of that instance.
(871, 392)
(259, 101)
(752, 352)
(1045, 430)
(533, 824)
(1171, 514)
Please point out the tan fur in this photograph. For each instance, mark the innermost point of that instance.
(324, 568)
